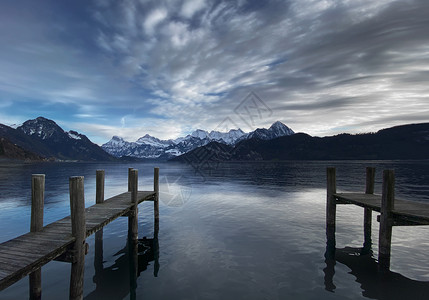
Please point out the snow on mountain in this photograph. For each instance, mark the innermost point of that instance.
(42, 128)
(226, 137)
(74, 135)
(201, 134)
(153, 141)
(152, 147)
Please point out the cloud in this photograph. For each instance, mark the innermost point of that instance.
(153, 19)
(190, 7)
(318, 65)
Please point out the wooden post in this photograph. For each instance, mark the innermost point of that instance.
(156, 200)
(387, 205)
(98, 253)
(129, 179)
(37, 202)
(99, 189)
(77, 208)
(330, 199)
(367, 217)
(132, 217)
(133, 232)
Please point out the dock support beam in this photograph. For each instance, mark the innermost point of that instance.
(37, 202)
(77, 208)
(386, 221)
(367, 217)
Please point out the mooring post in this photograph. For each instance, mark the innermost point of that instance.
(99, 188)
(330, 201)
(37, 202)
(132, 217)
(98, 255)
(133, 232)
(77, 208)
(330, 211)
(367, 217)
(386, 221)
(156, 199)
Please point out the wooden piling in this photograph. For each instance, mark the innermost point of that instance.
(330, 199)
(367, 217)
(37, 203)
(156, 199)
(386, 221)
(77, 208)
(98, 245)
(132, 217)
(99, 188)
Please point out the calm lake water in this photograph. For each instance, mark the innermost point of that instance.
(237, 231)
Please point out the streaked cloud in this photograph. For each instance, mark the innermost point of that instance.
(321, 66)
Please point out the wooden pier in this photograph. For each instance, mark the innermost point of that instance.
(64, 239)
(393, 212)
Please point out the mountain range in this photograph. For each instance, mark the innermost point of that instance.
(43, 139)
(400, 142)
(149, 147)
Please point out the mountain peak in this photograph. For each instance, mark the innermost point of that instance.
(41, 127)
(199, 133)
(281, 129)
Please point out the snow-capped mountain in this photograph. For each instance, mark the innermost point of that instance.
(152, 147)
(46, 139)
(276, 130)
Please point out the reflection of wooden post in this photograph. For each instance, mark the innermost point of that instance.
(387, 205)
(37, 202)
(156, 199)
(330, 199)
(367, 217)
(77, 208)
(329, 270)
(98, 255)
(133, 268)
(155, 255)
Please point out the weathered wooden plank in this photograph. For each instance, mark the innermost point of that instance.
(16, 274)
(12, 257)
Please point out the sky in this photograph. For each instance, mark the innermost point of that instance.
(168, 67)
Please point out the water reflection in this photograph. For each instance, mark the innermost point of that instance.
(385, 285)
(120, 279)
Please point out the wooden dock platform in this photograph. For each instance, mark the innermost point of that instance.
(404, 212)
(27, 253)
(393, 212)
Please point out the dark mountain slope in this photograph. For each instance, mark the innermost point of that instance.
(401, 142)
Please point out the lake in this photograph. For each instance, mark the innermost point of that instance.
(231, 231)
